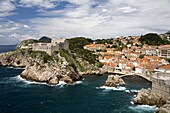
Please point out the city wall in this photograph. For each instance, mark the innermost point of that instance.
(161, 84)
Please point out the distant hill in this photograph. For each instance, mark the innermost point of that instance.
(167, 32)
(45, 39)
(153, 39)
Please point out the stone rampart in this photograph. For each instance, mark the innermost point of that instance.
(161, 84)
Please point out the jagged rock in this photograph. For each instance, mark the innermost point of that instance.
(53, 81)
(113, 80)
(165, 108)
(50, 73)
(36, 69)
(14, 58)
(146, 97)
(67, 79)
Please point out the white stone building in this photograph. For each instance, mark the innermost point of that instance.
(164, 51)
(55, 45)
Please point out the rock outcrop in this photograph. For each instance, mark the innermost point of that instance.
(51, 72)
(114, 80)
(16, 58)
(40, 67)
(146, 97)
(26, 43)
(165, 108)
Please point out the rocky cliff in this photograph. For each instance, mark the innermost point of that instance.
(50, 73)
(18, 58)
(40, 67)
(147, 97)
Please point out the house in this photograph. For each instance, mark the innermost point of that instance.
(164, 51)
(95, 47)
(163, 68)
(150, 51)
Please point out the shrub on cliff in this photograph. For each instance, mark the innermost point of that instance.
(78, 42)
(72, 61)
(76, 46)
(42, 55)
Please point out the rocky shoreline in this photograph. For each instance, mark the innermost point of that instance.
(14, 58)
(50, 74)
(165, 108)
(147, 97)
(36, 70)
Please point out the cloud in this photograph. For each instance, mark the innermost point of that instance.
(90, 18)
(13, 32)
(108, 19)
(39, 3)
(6, 6)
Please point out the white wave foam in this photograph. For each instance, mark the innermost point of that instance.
(79, 82)
(20, 79)
(119, 88)
(15, 67)
(61, 84)
(127, 91)
(15, 79)
(132, 91)
(132, 102)
(143, 108)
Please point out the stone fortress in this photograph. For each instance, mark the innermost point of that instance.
(55, 45)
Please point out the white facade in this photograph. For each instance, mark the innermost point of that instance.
(55, 45)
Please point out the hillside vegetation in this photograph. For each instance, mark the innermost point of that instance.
(153, 39)
(76, 47)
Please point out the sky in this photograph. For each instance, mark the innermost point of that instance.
(25, 19)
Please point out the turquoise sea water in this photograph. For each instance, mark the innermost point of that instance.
(20, 96)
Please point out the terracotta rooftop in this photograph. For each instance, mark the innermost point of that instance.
(94, 45)
(165, 66)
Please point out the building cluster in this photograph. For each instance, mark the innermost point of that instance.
(133, 58)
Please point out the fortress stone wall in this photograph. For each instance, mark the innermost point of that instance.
(161, 84)
(55, 45)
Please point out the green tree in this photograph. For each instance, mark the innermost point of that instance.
(45, 39)
(152, 39)
(141, 56)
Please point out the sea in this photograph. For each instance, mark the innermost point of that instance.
(86, 96)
